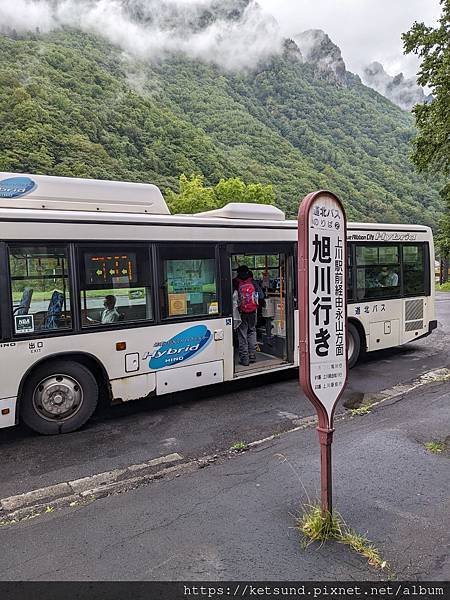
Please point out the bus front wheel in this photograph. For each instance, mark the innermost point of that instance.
(354, 345)
(59, 397)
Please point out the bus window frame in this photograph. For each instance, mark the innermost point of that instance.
(426, 269)
(351, 299)
(44, 334)
(351, 256)
(6, 316)
(162, 300)
(80, 248)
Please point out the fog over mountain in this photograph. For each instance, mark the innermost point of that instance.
(401, 90)
(233, 34)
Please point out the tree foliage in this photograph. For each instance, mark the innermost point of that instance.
(432, 145)
(72, 104)
(194, 197)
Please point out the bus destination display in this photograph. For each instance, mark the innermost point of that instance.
(115, 269)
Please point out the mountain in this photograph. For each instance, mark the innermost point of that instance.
(72, 103)
(318, 50)
(405, 92)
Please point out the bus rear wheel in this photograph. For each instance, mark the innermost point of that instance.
(59, 397)
(354, 345)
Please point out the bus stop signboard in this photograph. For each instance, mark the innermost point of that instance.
(322, 280)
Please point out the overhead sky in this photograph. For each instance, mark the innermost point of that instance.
(365, 30)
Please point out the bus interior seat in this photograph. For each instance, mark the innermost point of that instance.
(54, 310)
(25, 302)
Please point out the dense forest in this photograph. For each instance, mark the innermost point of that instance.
(72, 104)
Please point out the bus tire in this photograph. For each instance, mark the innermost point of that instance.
(354, 345)
(59, 397)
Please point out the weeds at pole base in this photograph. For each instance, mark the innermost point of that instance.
(317, 526)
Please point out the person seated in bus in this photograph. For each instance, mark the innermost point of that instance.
(249, 295)
(109, 313)
(387, 277)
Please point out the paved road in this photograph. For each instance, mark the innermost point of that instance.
(236, 519)
(202, 422)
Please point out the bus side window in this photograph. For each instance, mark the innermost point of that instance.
(413, 269)
(350, 271)
(378, 271)
(40, 292)
(189, 281)
(115, 285)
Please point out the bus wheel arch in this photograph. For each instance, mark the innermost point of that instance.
(80, 383)
(357, 344)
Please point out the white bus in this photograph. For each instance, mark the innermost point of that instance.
(102, 291)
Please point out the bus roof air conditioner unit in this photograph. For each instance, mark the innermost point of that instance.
(247, 211)
(69, 193)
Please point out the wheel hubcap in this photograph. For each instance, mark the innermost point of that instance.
(58, 397)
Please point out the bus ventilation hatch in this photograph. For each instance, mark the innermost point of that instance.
(413, 315)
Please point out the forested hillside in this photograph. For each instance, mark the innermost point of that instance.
(72, 104)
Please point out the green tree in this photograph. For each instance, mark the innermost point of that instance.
(235, 190)
(193, 196)
(432, 145)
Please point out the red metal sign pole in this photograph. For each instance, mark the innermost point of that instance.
(326, 477)
(323, 337)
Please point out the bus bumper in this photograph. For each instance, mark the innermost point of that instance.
(432, 325)
(8, 412)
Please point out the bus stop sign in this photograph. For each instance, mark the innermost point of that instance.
(322, 281)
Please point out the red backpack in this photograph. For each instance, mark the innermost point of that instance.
(248, 298)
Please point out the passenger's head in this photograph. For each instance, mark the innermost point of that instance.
(110, 301)
(385, 270)
(243, 272)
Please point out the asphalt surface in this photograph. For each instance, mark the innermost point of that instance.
(236, 520)
(202, 422)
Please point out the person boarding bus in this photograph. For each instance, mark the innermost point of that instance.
(250, 296)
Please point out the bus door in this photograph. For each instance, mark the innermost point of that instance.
(272, 266)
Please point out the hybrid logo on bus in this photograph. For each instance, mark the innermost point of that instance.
(181, 347)
(15, 187)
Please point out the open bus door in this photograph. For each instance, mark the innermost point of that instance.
(273, 269)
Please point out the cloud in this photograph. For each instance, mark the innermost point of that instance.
(235, 34)
(365, 30)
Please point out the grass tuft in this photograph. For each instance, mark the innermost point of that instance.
(239, 447)
(445, 287)
(318, 527)
(435, 447)
(361, 410)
